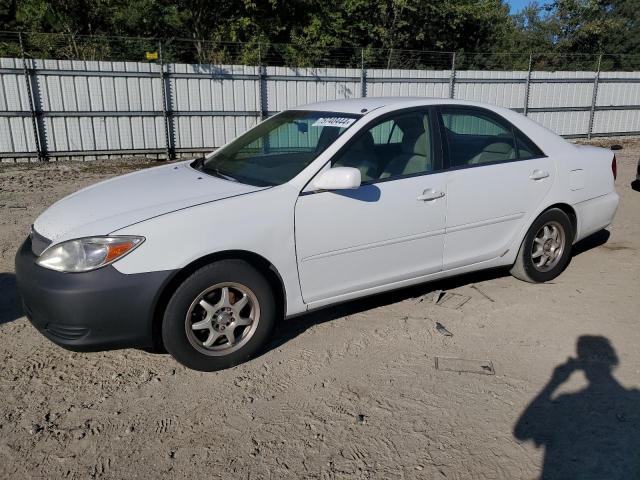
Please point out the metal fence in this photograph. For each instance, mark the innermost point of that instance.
(92, 107)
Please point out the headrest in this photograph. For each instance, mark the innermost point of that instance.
(413, 145)
(499, 147)
(365, 143)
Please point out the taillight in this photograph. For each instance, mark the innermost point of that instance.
(614, 167)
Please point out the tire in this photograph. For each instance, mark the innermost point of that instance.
(538, 243)
(200, 322)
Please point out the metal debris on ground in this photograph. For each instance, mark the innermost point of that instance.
(477, 289)
(442, 330)
(444, 299)
(453, 300)
(461, 365)
(437, 295)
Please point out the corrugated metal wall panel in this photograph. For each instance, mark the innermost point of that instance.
(312, 86)
(617, 121)
(17, 132)
(6, 136)
(553, 94)
(381, 84)
(504, 94)
(622, 93)
(211, 94)
(139, 123)
(563, 123)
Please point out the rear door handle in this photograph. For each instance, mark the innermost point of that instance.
(430, 194)
(539, 174)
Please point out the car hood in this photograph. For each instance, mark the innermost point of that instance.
(122, 201)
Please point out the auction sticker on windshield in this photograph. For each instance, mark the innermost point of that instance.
(340, 122)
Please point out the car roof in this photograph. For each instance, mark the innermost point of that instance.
(367, 104)
(357, 105)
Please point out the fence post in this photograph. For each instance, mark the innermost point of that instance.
(262, 86)
(363, 75)
(594, 98)
(35, 120)
(452, 79)
(166, 110)
(528, 86)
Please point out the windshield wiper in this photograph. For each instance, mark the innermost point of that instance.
(197, 163)
(219, 174)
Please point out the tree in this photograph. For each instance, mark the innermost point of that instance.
(307, 32)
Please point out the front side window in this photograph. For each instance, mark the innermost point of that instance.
(279, 148)
(387, 133)
(476, 137)
(395, 147)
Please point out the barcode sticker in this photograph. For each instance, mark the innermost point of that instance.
(340, 122)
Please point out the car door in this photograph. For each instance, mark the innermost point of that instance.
(391, 228)
(497, 178)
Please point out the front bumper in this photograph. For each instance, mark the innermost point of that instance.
(95, 310)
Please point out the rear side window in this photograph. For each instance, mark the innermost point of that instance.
(474, 137)
(467, 123)
(526, 148)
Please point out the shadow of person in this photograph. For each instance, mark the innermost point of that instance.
(10, 307)
(591, 434)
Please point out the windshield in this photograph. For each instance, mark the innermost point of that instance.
(277, 149)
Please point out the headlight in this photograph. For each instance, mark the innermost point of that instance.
(86, 254)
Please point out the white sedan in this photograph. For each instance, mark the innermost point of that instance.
(316, 205)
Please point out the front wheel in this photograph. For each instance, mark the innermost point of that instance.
(219, 317)
(546, 249)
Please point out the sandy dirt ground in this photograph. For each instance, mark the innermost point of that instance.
(347, 392)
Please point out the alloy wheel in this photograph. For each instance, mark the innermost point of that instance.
(548, 245)
(222, 318)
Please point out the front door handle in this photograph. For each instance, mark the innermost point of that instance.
(430, 194)
(539, 174)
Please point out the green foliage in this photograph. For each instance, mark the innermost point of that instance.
(382, 33)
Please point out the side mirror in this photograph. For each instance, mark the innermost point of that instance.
(338, 178)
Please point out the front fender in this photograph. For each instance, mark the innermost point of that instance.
(261, 222)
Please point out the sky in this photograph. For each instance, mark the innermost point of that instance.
(517, 5)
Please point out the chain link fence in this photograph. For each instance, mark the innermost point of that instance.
(106, 48)
(77, 96)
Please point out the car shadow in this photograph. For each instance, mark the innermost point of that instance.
(291, 328)
(10, 306)
(592, 241)
(590, 434)
(635, 185)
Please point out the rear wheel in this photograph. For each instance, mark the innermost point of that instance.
(546, 248)
(219, 317)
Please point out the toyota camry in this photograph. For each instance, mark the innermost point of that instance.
(314, 206)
